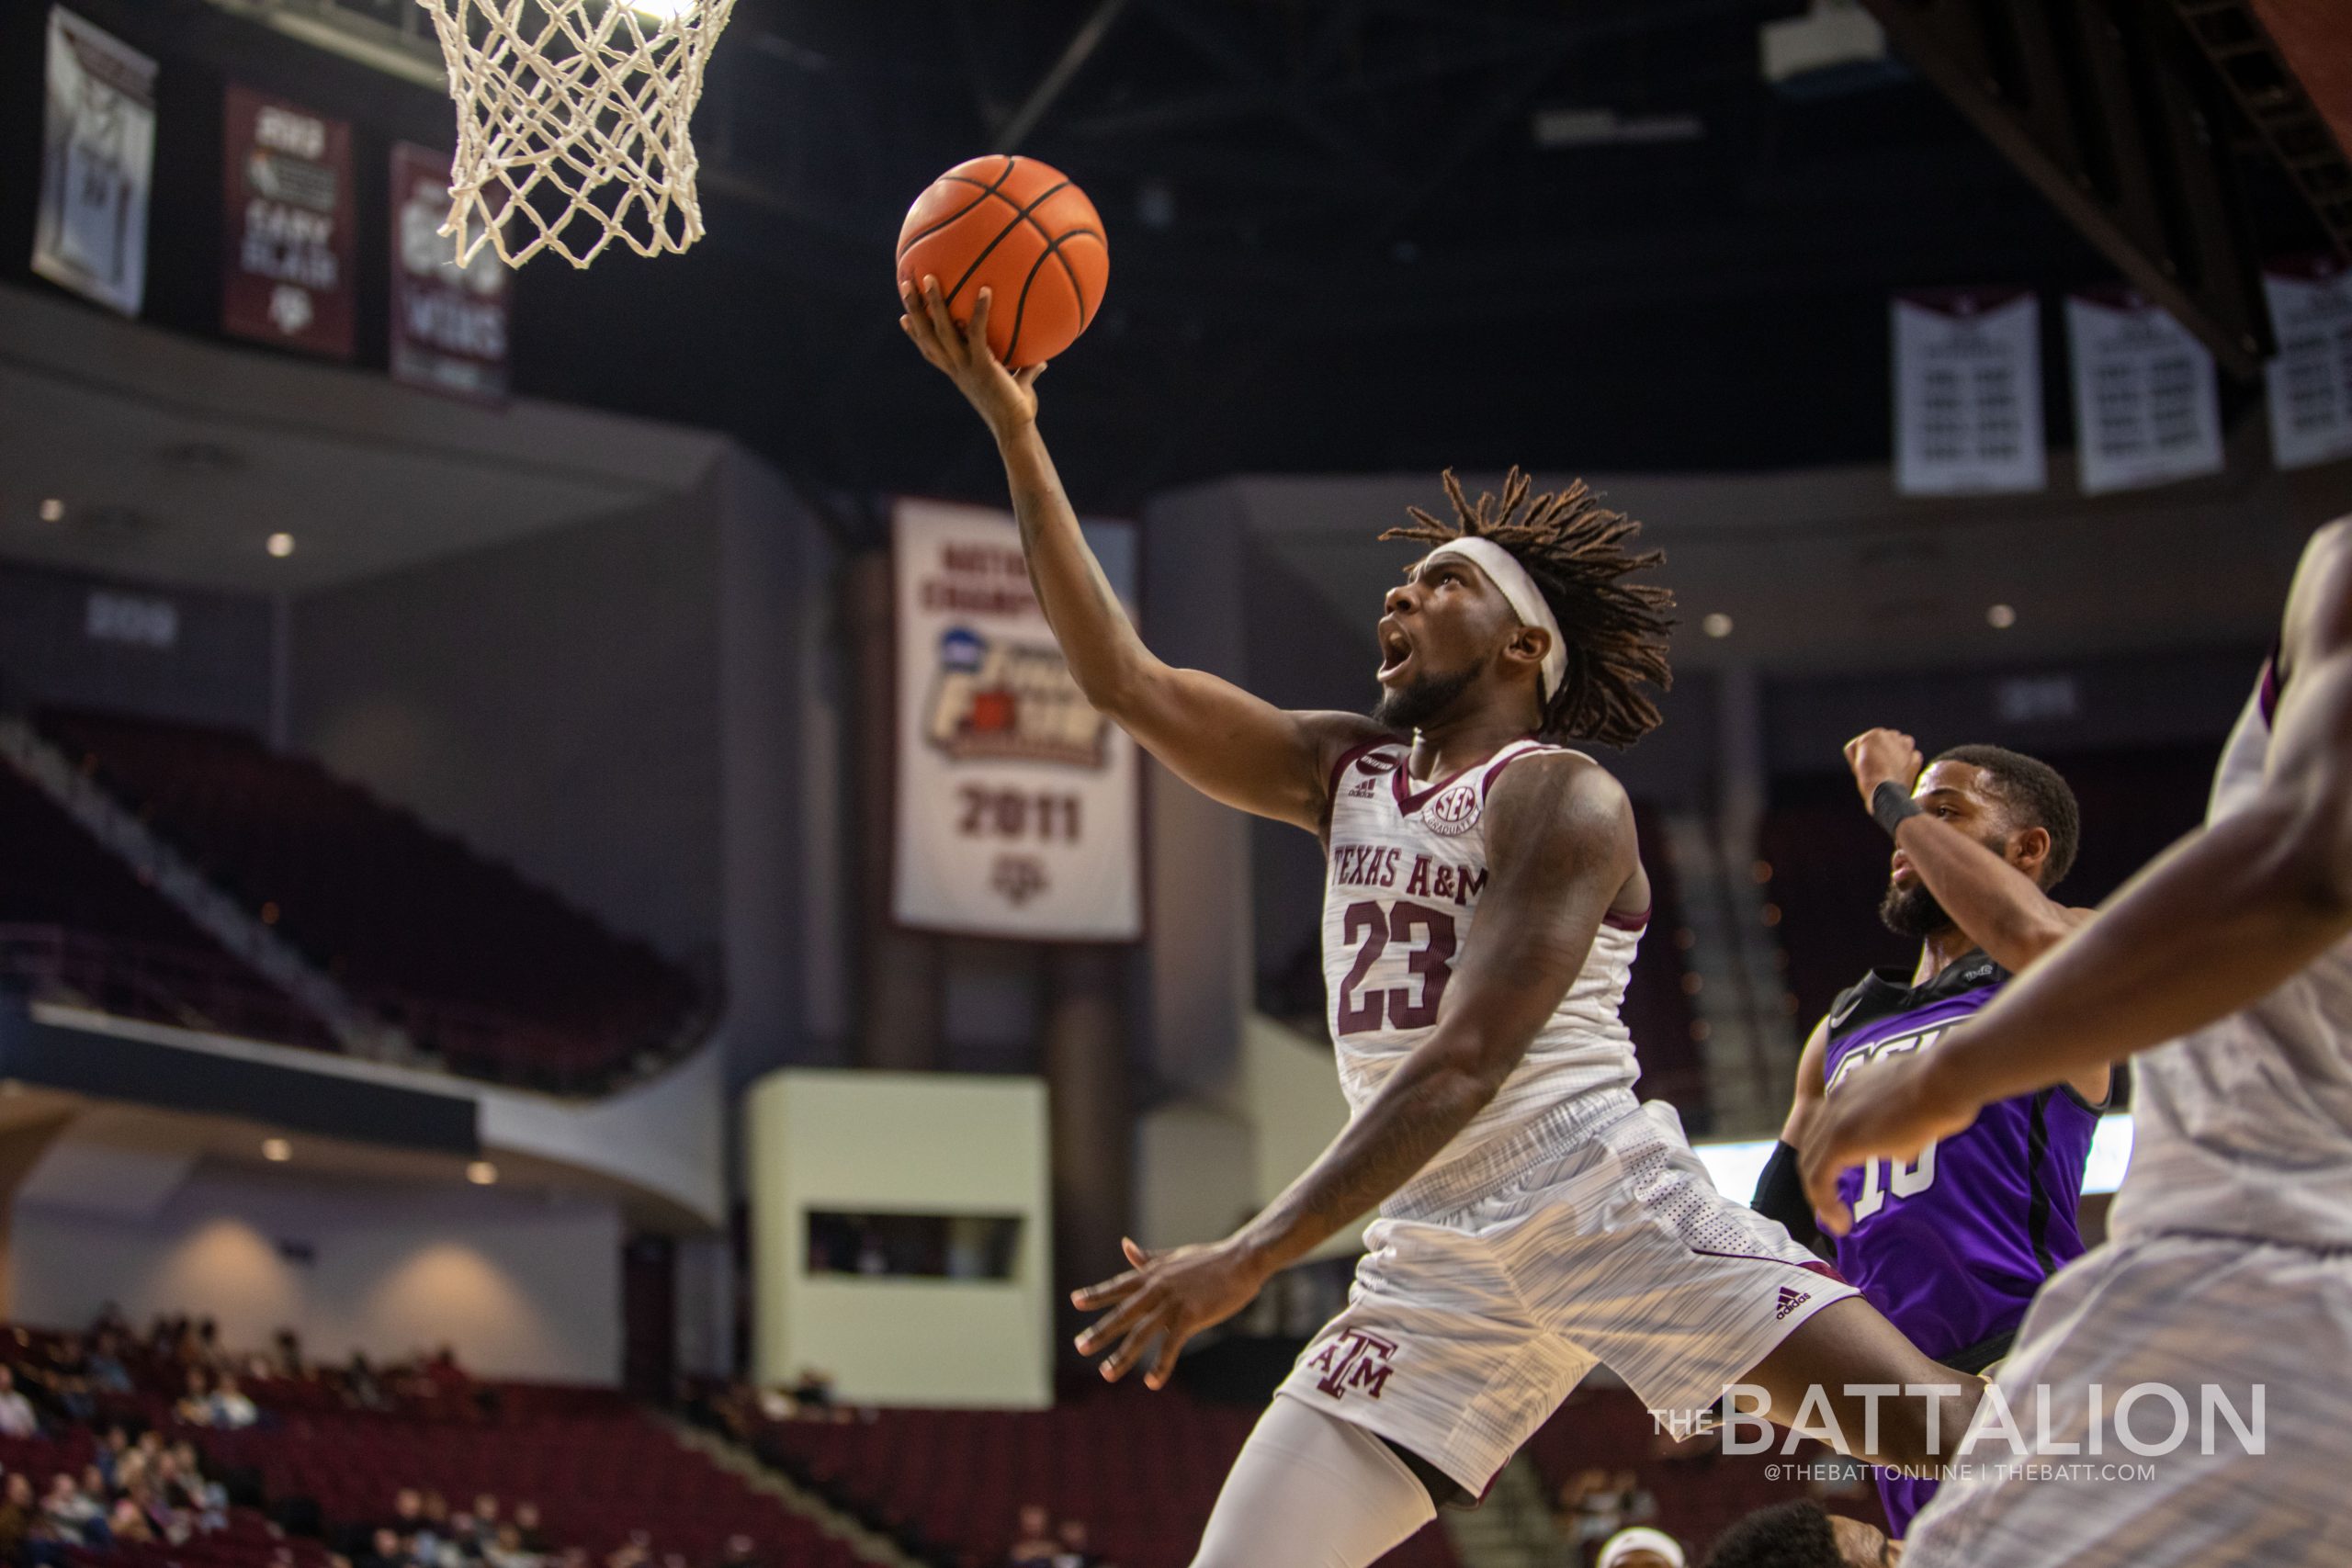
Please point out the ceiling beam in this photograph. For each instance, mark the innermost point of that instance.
(1082, 44)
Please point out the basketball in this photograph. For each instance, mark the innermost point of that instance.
(1021, 230)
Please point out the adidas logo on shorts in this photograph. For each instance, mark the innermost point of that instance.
(1789, 1300)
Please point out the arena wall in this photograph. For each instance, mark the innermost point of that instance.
(519, 1286)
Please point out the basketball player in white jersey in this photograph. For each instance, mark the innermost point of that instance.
(1483, 905)
(2224, 971)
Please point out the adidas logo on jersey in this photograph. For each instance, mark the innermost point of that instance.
(1364, 789)
(1789, 1300)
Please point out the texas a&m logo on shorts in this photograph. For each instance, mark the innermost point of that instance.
(1353, 1361)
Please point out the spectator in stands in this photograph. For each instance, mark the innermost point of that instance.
(94, 1485)
(16, 1418)
(289, 1353)
(505, 1549)
(814, 1391)
(230, 1408)
(18, 1512)
(1034, 1545)
(461, 1543)
(1568, 1510)
(526, 1521)
(740, 1553)
(69, 1514)
(1640, 1547)
(1801, 1535)
(111, 1449)
(105, 1366)
(127, 1526)
(360, 1385)
(1074, 1552)
(386, 1549)
(1635, 1504)
(195, 1407)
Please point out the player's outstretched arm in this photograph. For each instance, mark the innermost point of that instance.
(2215, 924)
(1561, 849)
(1997, 907)
(1225, 743)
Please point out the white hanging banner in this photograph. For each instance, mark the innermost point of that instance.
(2147, 411)
(1968, 392)
(2310, 380)
(1017, 803)
(97, 164)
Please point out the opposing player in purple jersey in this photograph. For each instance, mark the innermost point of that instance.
(2224, 972)
(1951, 1246)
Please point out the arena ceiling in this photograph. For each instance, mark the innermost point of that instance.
(1348, 235)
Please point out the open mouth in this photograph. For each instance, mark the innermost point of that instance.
(1396, 651)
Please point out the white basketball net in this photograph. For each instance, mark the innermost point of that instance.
(571, 123)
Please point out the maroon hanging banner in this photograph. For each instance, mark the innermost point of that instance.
(448, 322)
(291, 223)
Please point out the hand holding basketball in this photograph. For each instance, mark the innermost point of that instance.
(1022, 230)
(1005, 399)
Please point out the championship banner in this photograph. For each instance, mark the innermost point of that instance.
(2146, 409)
(291, 225)
(1968, 392)
(448, 322)
(97, 164)
(2310, 380)
(1017, 808)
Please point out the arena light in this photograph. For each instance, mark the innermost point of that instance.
(1734, 1167)
(2001, 618)
(53, 511)
(1716, 625)
(278, 1151)
(281, 545)
(481, 1173)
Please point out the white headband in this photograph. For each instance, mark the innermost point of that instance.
(1641, 1538)
(1520, 591)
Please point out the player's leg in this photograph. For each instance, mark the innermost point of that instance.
(2238, 1334)
(1848, 1347)
(1312, 1491)
(1633, 1256)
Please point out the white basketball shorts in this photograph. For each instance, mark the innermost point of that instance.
(2109, 1343)
(1593, 1236)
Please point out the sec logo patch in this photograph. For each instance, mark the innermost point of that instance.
(1454, 812)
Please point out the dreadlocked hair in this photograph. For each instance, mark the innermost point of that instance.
(1576, 550)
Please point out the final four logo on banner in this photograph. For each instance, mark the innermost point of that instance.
(1016, 811)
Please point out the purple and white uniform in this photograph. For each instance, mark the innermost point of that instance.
(1952, 1246)
(2226, 1282)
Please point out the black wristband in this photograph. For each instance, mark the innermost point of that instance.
(1780, 1195)
(1891, 803)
